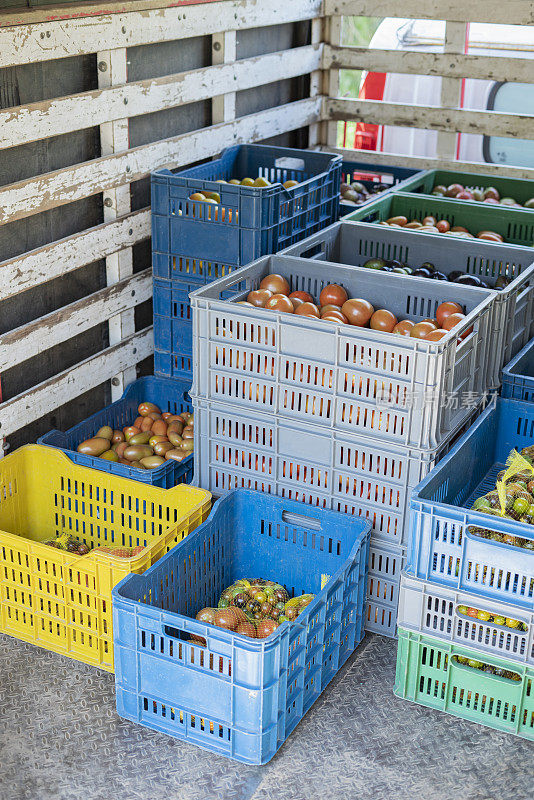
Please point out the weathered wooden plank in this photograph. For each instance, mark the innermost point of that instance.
(35, 337)
(61, 11)
(451, 88)
(66, 185)
(44, 41)
(115, 138)
(66, 255)
(431, 117)
(395, 159)
(35, 121)
(334, 30)
(60, 389)
(485, 68)
(511, 12)
(224, 51)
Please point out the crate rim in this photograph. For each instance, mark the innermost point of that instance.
(506, 663)
(67, 559)
(515, 611)
(156, 474)
(335, 160)
(417, 345)
(434, 170)
(509, 368)
(408, 234)
(458, 513)
(206, 628)
(525, 213)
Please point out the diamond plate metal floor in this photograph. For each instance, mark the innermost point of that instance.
(60, 739)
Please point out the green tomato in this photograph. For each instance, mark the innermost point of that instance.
(481, 502)
(484, 616)
(521, 506)
(475, 664)
(498, 620)
(462, 610)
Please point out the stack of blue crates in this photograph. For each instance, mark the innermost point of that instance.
(196, 242)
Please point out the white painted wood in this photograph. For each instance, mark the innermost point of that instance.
(66, 255)
(66, 185)
(25, 44)
(451, 88)
(48, 331)
(224, 50)
(415, 162)
(114, 138)
(335, 25)
(34, 121)
(431, 117)
(316, 77)
(485, 68)
(505, 12)
(66, 386)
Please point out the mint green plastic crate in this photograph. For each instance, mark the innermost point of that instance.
(429, 674)
(424, 182)
(516, 225)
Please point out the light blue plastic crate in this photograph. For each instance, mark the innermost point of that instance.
(169, 395)
(443, 546)
(518, 375)
(237, 696)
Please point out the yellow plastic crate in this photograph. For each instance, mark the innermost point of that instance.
(62, 601)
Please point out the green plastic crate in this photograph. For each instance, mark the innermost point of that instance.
(424, 182)
(515, 225)
(428, 674)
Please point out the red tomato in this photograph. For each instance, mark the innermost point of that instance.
(403, 328)
(276, 284)
(421, 330)
(358, 311)
(333, 294)
(383, 320)
(307, 310)
(445, 310)
(304, 296)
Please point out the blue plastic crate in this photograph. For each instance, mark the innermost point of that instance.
(202, 241)
(173, 328)
(395, 178)
(237, 696)
(169, 395)
(443, 546)
(518, 375)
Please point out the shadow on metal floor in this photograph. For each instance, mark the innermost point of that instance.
(61, 739)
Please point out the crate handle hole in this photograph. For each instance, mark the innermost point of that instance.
(301, 520)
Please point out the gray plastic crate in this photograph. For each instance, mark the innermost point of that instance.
(386, 563)
(513, 324)
(238, 448)
(343, 378)
(426, 607)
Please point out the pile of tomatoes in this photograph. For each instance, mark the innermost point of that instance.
(335, 306)
(433, 225)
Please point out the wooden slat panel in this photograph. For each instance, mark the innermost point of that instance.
(431, 117)
(61, 257)
(25, 44)
(63, 11)
(510, 12)
(486, 68)
(416, 162)
(52, 329)
(35, 121)
(60, 389)
(53, 189)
